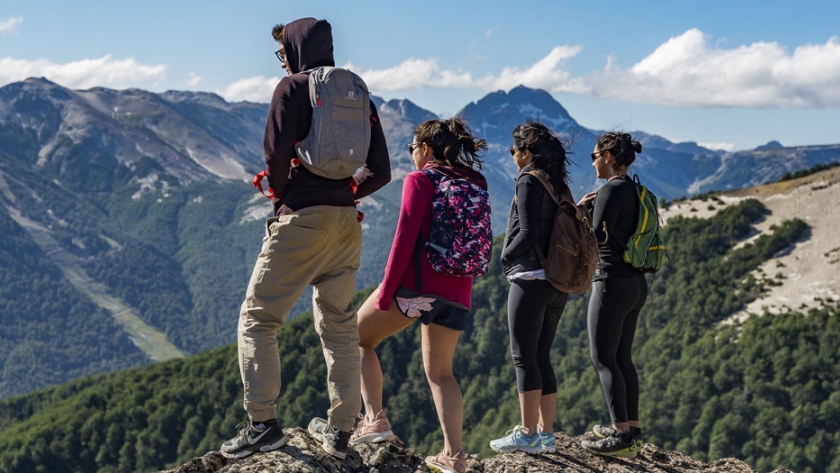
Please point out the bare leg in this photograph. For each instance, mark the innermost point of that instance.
(438, 352)
(548, 409)
(622, 426)
(374, 326)
(529, 409)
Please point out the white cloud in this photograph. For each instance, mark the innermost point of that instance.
(544, 74)
(254, 89)
(84, 74)
(193, 80)
(720, 146)
(414, 74)
(687, 71)
(9, 25)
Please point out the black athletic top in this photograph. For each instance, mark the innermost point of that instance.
(614, 216)
(530, 221)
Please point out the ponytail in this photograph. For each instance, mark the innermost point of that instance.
(452, 142)
(621, 145)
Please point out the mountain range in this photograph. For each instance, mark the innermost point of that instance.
(715, 385)
(132, 228)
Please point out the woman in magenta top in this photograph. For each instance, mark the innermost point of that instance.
(441, 302)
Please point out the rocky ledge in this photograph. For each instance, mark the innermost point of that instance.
(303, 455)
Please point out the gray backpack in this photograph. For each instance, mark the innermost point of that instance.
(339, 138)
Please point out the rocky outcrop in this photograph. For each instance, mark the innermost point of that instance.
(303, 455)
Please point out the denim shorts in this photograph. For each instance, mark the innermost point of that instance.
(430, 309)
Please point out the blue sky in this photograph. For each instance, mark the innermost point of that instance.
(727, 74)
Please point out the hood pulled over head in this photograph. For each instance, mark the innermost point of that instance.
(309, 44)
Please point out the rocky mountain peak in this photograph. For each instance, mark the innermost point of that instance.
(500, 109)
(408, 109)
(302, 454)
(770, 145)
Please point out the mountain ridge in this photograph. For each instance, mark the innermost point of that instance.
(130, 182)
(302, 454)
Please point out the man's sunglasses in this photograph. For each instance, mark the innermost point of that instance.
(280, 55)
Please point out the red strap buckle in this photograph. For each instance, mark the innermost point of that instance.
(258, 184)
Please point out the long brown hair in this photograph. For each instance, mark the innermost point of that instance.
(549, 153)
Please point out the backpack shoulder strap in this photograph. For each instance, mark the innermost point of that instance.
(548, 187)
(433, 176)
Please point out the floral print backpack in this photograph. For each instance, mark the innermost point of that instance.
(460, 240)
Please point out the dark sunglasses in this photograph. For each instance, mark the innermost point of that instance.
(280, 56)
(597, 155)
(513, 150)
(413, 146)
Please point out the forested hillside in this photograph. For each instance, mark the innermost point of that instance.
(136, 206)
(66, 335)
(764, 391)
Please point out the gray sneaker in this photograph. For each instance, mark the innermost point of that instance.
(333, 441)
(253, 438)
(622, 446)
(602, 431)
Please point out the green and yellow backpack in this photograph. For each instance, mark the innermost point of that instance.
(645, 249)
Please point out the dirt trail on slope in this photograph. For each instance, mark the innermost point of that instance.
(808, 272)
(147, 338)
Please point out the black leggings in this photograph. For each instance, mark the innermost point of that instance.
(534, 310)
(613, 312)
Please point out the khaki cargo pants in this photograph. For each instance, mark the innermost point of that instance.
(319, 246)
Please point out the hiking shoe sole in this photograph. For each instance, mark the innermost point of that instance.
(375, 437)
(434, 466)
(623, 453)
(537, 449)
(265, 448)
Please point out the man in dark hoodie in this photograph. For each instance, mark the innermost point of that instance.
(314, 238)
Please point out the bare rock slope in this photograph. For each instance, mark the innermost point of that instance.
(302, 455)
(805, 275)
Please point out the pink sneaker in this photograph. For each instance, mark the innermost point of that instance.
(376, 431)
(454, 464)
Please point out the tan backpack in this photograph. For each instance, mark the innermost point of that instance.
(573, 249)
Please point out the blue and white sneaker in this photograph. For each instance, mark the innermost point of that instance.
(516, 441)
(547, 439)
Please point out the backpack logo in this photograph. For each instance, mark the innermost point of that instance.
(339, 136)
(572, 247)
(645, 249)
(461, 239)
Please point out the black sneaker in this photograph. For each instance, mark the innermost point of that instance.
(262, 437)
(637, 437)
(333, 441)
(623, 446)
